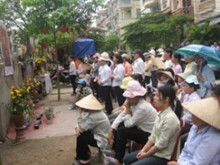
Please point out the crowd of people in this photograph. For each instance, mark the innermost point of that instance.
(161, 101)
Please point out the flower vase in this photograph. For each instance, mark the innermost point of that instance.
(19, 127)
(18, 120)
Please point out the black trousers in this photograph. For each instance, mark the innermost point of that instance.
(73, 82)
(82, 145)
(154, 79)
(119, 94)
(106, 94)
(147, 81)
(122, 135)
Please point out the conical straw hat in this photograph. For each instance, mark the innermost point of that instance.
(208, 110)
(90, 103)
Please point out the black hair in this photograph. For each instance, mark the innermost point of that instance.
(72, 58)
(177, 56)
(138, 77)
(171, 71)
(168, 91)
(169, 50)
(216, 90)
(119, 58)
(192, 85)
(151, 96)
(81, 60)
(88, 71)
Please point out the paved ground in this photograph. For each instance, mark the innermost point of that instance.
(50, 144)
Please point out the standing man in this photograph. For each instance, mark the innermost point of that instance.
(138, 65)
(104, 81)
(72, 74)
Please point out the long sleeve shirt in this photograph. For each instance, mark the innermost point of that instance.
(139, 67)
(206, 86)
(165, 132)
(201, 148)
(191, 68)
(143, 116)
(187, 116)
(118, 73)
(148, 68)
(97, 122)
(80, 71)
(104, 75)
(72, 68)
(128, 69)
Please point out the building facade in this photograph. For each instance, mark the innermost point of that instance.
(120, 13)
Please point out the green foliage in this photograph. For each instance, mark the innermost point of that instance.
(202, 34)
(154, 29)
(111, 42)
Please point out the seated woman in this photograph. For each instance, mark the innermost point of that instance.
(160, 145)
(165, 77)
(203, 144)
(92, 128)
(134, 123)
(187, 95)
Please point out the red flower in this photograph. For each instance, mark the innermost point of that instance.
(63, 29)
(44, 44)
(86, 35)
(44, 31)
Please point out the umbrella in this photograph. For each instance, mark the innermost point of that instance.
(211, 55)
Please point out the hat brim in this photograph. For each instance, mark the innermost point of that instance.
(89, 103)
(103, 59)
(207, 110)
(133, 94)
(159, 73)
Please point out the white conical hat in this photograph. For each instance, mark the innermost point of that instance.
(89, 103)
(157, 62)
(208, 110)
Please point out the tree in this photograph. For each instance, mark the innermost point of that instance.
(154, 29)
(49, 17)
(111, 42)
(202, 34)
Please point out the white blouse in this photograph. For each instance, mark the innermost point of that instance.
(118, 73)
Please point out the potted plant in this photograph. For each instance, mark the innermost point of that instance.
(49, 115)
(21, 104)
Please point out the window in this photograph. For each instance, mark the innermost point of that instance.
(202, 1)
(138, 13)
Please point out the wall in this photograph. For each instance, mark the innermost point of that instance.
(5, 98)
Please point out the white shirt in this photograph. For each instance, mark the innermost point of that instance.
(118, 73)
(72, 68)
(168, 64)
(187, 116)
(139, 67)
(80, 71)
(104, 75)
(143, 116)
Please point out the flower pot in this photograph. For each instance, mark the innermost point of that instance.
(49, 121)
(18, 120)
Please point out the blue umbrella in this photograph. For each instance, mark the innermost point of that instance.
(211, 55)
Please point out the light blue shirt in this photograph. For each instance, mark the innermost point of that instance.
(206, 86)
(201, 148)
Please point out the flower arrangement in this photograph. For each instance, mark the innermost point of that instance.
(21, 103)
(32, 86)
(40, 62)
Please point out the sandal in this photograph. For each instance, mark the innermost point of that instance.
(78, 163)
(109, 160)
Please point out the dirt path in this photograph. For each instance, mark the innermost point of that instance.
(50, 151)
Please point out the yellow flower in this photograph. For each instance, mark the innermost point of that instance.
(13, 97)
(17, 91)
(11, 93)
